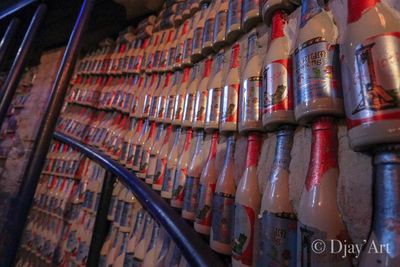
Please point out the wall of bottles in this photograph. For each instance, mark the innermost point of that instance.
(171, 98)
(60, 224)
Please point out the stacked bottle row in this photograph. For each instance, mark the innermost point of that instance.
(135, 238)
(60, 223)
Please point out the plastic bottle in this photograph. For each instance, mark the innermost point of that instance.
(230, 93)
(162, 99)
(219, 35)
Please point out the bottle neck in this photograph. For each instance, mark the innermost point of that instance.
(235, 56)
(284, 143)
(309, 9)
(207, 67)
(251, 44)
(168, 134)
(199, 141)
(386, 194)
(356, 8)
(278, 25)
(230, 150)
(189, 134)
(214, 145)
(253, 150)
(151, 131)
(324, 152)
(186, 72)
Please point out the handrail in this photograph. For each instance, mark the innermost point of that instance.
(194, 249)
(15, 8)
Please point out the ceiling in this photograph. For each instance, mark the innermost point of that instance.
(107, 19)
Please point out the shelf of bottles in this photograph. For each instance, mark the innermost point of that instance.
(162, 101)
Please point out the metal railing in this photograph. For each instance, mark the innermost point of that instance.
(194, 249)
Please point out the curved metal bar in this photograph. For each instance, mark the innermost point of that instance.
(15, 8)
(7, 38)
(194, 249)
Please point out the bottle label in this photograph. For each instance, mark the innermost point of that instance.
(153, 107)
(220, 25)
(213, 105)
(197, 37)
(278, 240)
(223, 216)
(316, 64)
(72, 242)
(203, 215)
(277, 91)
(168, 179)
(309, 9)
(126, 215)
(243, 234)
(306, 240)
(171, 57)
(178, 107)
(178, 53)
(234, 13)
(177, 192)
(118, 211)
(138, 154)
(229, 103)
(208, 30)
(170, 107)
(160, 171)
(161, 107)
(375, 93)
(131, 152)
(188, 114)
(152, 168)
(251, 99)
(187, 49)
(122, 248)
(144, 162)
(83, 252)
(251, 45)
(200, 106)
(190, 194)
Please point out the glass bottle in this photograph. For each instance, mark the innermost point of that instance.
(247, 207)
(317, 83)
(318, 213)
(230, 93)
(370, 73)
